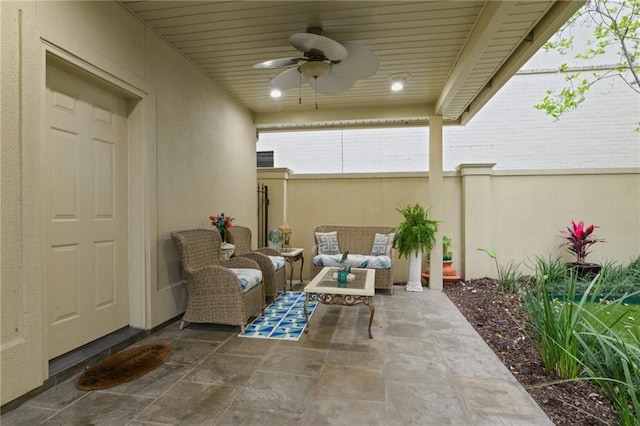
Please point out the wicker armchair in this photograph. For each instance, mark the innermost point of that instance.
(275, 281)
(215, 294)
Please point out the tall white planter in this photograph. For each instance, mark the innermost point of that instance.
(415, 271)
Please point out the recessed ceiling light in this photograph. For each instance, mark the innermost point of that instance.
(398, 80)
(275, 93)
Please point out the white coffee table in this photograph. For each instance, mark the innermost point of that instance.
(329, 291)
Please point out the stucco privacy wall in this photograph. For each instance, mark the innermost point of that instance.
(525, 211)
(365, 199)
(196, 157)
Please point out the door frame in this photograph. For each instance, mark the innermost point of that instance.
(140, 181)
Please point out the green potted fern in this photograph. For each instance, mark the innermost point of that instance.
(414, 235)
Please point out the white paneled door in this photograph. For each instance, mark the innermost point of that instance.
(85, 212)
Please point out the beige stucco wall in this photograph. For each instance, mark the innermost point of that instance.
(195, 157)
(362, 199)
(517, 214)
(531, 209)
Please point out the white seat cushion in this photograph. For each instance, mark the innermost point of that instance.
(278, 262)
(249, 278)
(354, 260)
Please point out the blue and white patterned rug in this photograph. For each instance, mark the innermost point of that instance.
(283, 319)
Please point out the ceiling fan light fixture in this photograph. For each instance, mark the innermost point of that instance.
(315, 69)
(276, 93)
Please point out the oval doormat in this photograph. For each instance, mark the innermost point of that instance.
(124, 366)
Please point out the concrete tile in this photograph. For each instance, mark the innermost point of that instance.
(58, 397)
(425, 348)
(405, 368)
(471, 365)
(401, 304)
(448, 342)
(276, 392)
(357, 335)
(191, 351)
(100, 408)
(369, 345)
(246, 417)
(405, 329)
(505, 420)
(346, 412)
(400, 315)
(445, 325)
(301, 362)
(351, 383)
(315, 338)
(225, 369)
(26, 415)
(372, 359)
(247, 346)
(154, 383)
(419, 404)
(491, 396)
(206, 404)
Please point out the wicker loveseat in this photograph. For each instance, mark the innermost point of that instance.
(358, 240)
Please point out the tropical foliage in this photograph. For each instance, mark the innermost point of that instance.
(579, 239)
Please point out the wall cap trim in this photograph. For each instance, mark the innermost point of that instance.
(274, 173)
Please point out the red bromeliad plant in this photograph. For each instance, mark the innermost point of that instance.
(579, 240)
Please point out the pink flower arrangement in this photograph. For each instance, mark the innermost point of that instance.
(221, 222)
(579, 239)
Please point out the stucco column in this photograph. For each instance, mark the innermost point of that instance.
(436, 198)
(276, 179)
(476, 218)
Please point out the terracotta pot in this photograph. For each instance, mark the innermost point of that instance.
(449, 273)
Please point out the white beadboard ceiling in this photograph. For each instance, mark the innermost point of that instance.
(458, 53)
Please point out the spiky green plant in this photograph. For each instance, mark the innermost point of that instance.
(555, 322)
(508, 274)
(576, 342)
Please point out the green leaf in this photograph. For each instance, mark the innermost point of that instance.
(492, 254)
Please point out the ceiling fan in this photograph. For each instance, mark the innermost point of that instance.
(328, 66)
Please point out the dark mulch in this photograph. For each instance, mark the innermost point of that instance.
(499, 319)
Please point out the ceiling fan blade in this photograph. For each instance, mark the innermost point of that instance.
(359, 63)
(331, 49)
(276, 63)
(287, 79)
(331, 84)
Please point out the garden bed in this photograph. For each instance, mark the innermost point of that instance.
(499, 319)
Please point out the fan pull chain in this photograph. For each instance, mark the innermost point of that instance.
(299, 87)
(315, 78)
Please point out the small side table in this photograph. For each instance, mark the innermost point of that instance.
(226, 251)
(291, 256)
